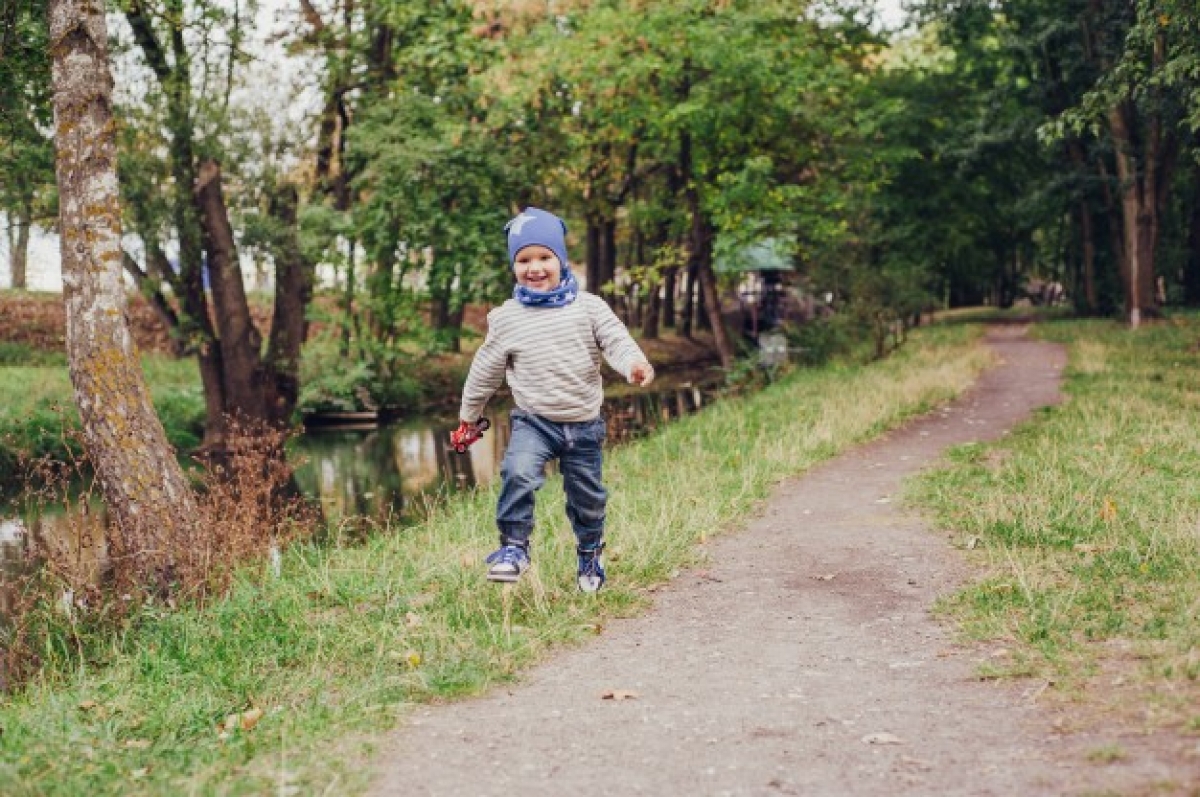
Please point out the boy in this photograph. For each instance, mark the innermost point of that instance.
(547, 341)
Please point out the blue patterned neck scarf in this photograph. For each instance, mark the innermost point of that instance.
(561, 296)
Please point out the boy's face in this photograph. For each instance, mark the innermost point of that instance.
(537, 268)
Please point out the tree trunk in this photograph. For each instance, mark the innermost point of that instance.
(1143, 174)
(601, 260)
(241, 342)
(1191, 277)
(670, 278)
(294, 277)
(144, 488)
(651, 291)
(19, 259)
(608, 261)
(687, 313)
(592, 266)
(1088, 234)
(700, 248)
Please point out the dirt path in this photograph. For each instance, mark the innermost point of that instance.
(761, 675)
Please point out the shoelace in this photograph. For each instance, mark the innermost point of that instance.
(509, 555)
(589, 563)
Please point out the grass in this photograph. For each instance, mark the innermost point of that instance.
(351, 636)
(1088, 519)
(36, 402)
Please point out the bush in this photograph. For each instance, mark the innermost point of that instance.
(330, 382)
(822, 339)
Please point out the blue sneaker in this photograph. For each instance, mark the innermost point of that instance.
(591, 568)
(508, 562)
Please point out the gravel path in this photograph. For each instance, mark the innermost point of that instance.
(803, 660)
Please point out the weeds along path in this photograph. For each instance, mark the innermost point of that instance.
(802, 660)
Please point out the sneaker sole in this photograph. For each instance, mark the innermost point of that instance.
(506, 578)
(590, 583)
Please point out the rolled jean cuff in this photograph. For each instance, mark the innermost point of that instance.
(514, 531)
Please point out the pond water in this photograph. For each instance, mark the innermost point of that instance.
(384, 473)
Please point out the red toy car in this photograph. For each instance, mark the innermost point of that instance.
(468, 433)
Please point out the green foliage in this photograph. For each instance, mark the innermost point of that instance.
(27, 186)
(822, 339)
(332, 382)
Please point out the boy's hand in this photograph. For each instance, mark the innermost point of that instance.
(467, 433)
(641, 374)
(459, 435)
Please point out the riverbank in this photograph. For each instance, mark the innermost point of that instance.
(37, 408)
(283, 685)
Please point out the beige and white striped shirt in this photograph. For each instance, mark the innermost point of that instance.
(550, 357)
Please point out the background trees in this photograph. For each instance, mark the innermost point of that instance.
(992, 148)
(27, 166)
(1106, 88)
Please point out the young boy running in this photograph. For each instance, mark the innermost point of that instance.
(547, 341)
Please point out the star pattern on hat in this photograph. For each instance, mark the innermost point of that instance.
(520, 221)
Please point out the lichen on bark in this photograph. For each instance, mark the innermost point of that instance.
(146, 491)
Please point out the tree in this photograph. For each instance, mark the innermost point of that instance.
(27, 168)
(143, 485)
(721, 106)
(240, 377)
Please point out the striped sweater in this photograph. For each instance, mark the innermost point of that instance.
(551, 358)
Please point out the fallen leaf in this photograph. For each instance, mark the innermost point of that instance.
(245, 720)
(1108, 512)
(250, 718)
(88, 705)
(138, 774)
(412, 619)
(882, 738)
(619, 694)
(137, 744)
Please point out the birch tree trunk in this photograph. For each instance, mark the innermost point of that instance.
(147, 495)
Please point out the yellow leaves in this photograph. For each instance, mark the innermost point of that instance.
(243, 721)
(1108, 511)
(619, 694)
(411, 658)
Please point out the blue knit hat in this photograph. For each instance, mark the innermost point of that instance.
(534, 226)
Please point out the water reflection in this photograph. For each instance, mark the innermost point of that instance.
(77, 535)
(385, 473)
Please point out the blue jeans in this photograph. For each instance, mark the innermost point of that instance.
(578, 447)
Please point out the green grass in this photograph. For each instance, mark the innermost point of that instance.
(1088, 516)
(351, 636)
(37, 403)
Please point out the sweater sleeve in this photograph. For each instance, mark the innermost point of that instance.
(617, 345)
(487, 371)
